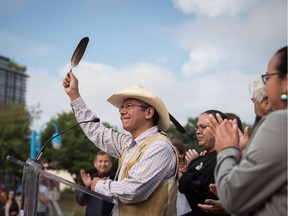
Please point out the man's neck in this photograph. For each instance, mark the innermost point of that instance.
(138, 132)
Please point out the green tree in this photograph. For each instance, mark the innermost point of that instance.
(14, 137)
(14, 65)
(77, 151)
(189, 138)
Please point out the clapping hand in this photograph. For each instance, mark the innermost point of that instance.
(211, 205)
(226, 132)
(85, 178)
(243, 140)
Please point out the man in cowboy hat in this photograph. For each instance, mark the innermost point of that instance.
(146, 178)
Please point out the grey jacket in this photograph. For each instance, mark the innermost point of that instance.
(257, 183)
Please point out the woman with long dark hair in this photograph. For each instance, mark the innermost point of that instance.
(11, 207)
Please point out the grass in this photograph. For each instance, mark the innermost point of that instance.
(68, 204)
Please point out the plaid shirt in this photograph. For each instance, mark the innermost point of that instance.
(157, 163)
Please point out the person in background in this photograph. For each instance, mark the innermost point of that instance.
(103, 166)
(11, 206)
(259, 99)
(3, 199)
(244, 134)
(256, 183)
(234, 116)
(147, 170)
(182, 205)
(195, 182)
(214, 206)
(43, 198)
(18, 194)
(192, 153)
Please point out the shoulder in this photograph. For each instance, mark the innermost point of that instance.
(275, 123)
(162, 139)
(270, 138)
(163, 144)
(152, 136)
(155, 141)
(279, 116)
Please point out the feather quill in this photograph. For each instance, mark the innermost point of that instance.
(178, 126)
(79, 52)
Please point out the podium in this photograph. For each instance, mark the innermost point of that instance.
(30, 188)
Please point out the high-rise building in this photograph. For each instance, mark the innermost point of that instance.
(12, 82)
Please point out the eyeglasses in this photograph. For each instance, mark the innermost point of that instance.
(129, 106)
(253, 100)
(200, 127)
(265, 77)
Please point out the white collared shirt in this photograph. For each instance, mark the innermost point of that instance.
(157, 163)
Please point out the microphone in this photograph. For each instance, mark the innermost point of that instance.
(44, 146)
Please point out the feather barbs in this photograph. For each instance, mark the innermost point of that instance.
(79, 52)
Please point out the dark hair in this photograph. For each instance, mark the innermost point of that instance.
(179, 145)
(213, 112)
(234, 116)
(103, 153)
(282, 65)
(155, 116)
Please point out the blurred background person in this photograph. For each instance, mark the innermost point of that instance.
(11, 206)
(43, 198)
(182, 204)
(103, 166)
(259, 98)
(232, 116)
(244, 134)
(3, 198)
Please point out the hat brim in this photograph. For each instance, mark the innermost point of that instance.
(147, 96)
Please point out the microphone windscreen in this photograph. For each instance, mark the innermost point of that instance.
(96, 120)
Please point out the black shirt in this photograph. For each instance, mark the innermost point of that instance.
(195, 182)
(92, 203)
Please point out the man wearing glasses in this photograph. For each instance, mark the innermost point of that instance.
(195, 182)
(259, 98)
(145, 183)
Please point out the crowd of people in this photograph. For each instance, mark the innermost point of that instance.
(10, 204)
(234, 174)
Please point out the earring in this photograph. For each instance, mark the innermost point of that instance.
(283, 97)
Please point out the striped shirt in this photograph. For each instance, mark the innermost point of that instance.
(157, 163)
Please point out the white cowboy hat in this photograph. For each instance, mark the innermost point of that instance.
(147, 96)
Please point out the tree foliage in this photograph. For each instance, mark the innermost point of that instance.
(77, 151)
(14, 137)
(189, 138)
(14, 65)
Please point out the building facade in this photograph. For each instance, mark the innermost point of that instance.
(12, 83)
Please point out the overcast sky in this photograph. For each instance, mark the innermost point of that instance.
(195, 54)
